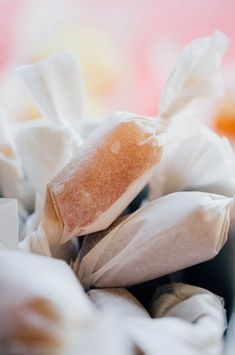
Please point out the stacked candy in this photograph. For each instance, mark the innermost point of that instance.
(82, 196)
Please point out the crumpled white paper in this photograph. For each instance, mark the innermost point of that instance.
(194, 158)
(166, 235)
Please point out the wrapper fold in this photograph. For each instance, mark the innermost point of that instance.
(56, 86)
(195, 158)
(192, 321)
(13, 183)
(118, 302)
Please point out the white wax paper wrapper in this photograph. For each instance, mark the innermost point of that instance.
(41, 305)
(44, 150)
(168, 234)
(9, 231)
(118, 302)
(195, 74)
(7, 147)
(194, 158)
(192, 322)
(13, 183)
(108, 171)
(55, 85)
(51, 313)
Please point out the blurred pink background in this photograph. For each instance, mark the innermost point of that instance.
(126, 48)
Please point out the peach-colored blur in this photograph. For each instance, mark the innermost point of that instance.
(126, 48)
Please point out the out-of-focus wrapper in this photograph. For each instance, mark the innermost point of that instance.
(190, 320)
(39, 312)
(56, 86)
(44, 150)
(194, 158)
(46, 312)
(171, 233)
(119, 158)
(46, 146)
(9, 226)
(118, 302)
(195, 74)
(13, 183)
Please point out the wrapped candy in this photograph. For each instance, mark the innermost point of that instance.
(194, 158)
(166, 235)
(189, 320)
(118, 159)
(109, 170)
(51, 314)
(42, 319)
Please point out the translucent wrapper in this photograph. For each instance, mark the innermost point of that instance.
(43, 317)
(187, 319)
(44, 150)
(9, 231)
(51, 314)
(55, 84)
(192, 321)
(109, 170)
(118, 302)
(56, 87)
(195, 74)
(171, 233)
(13, 183)
(194, 158)
(119, 158)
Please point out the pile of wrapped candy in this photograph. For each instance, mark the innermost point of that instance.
(112, 215)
